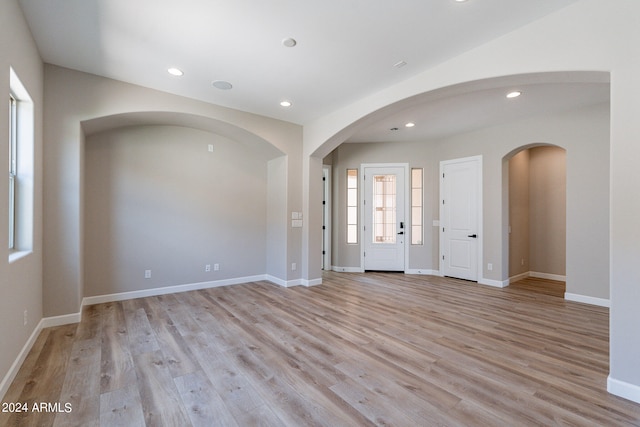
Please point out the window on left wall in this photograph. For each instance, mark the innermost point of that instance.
(21, 169)
(13, 119)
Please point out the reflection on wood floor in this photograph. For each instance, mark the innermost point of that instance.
(358, 350)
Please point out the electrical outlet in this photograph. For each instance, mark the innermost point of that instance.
(216, 267)
(522, 261)
(147, 274)
(26, 317)
(207, 267)
(294, 266)
(489, 266)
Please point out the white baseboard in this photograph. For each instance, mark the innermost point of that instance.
(46, 322)
(517, 277)
(494, 283)
(347, 269)
(602, 302)
(282, 282)
(548, 276)
(173, 289)
(15, 367)
(311, 282)
(421, 271)
(67, 319)
(623, 389)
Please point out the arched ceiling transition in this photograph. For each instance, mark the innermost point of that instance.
(258, 145)
(475, 105)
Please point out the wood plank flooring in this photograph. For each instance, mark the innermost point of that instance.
(359, 350)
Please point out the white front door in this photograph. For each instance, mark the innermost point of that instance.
(460, 189)
(384, 228)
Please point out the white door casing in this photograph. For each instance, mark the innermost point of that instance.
(326, 218)
(461, 218)
(385, 230)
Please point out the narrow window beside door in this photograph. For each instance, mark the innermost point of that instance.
(416, 206)
(12, 169)
(352, 206)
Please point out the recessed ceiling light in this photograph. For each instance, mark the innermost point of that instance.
(285, 103)
(514, 94)
(175, 72)
(410, 125)
(222, 85)
(460, 1)
(399, 64)
(393, 129)
(289, 42)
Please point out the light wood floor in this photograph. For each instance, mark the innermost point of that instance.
(359, 350)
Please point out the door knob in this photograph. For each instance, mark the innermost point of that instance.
(472, 235)
(402, 232)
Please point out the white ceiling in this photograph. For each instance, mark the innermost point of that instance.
(346, 50)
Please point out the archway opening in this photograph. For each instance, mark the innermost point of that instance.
(537, 219)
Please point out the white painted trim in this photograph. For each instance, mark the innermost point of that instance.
(327, 174)
(494, 283)
(47, 322)
(520, 276)
(548, 276)
(407, 206)
(15, 367)
(347, 269)
(479, 207)
(623, 389)
(311, 282)
(174, 289)
(422, 271)
(67, 319)
(602, 302)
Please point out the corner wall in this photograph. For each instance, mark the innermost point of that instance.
(589, 35)
(73, 98)
(20, 280)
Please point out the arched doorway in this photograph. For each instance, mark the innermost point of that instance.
(537, 216)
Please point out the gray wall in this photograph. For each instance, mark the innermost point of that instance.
(519, 213)
(583, 133)
(21, 280)
(157, 199)
(537, 211)
(78, 103)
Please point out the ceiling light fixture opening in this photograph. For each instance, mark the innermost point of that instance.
(175, 72)
(399, 64)
(514, 94)
(409, 125)
(222, 85)
(285, 103)
(394, 129)
(289, 42)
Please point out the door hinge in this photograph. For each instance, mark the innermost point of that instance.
(324, 227)
(443, 257)
(364, 254)
(443, 229)
(324, 253)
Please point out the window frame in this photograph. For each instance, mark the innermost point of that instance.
(352, 221)
(13, 169)
(417, 227)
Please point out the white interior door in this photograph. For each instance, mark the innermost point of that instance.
(460, 187)
(384, 229)
(326, 218)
